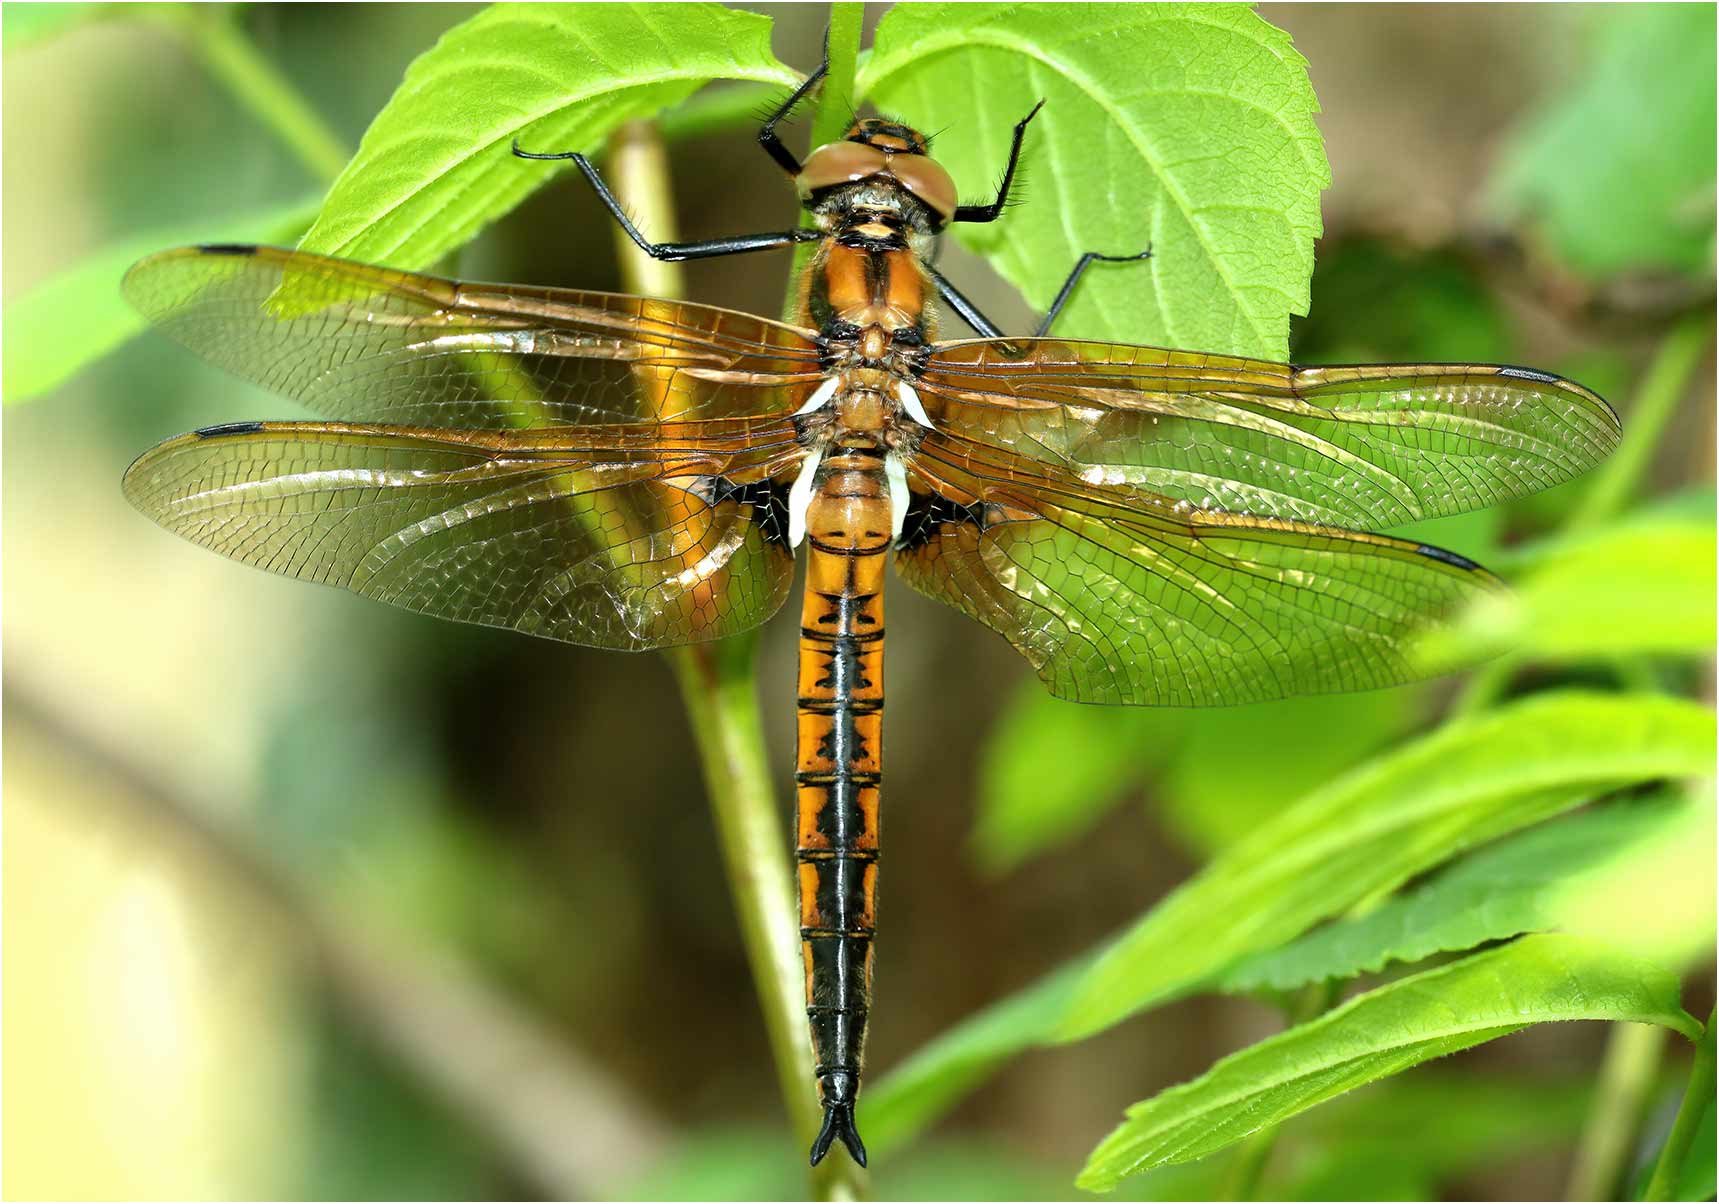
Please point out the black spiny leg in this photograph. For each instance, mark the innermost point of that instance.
(767, 133)
(968, 312)
(991, 212)
(673, 251)
(1067, 289)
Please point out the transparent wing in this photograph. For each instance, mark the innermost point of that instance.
(1365, 447)
(370, 344)
(1119, 597)
(626, 537)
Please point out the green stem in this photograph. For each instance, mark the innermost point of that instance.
(719, 687)
(829, 123)
(1665, 384)
(1247, 1165)
(1692, 1123)
(233, 58)
(1614, 1121)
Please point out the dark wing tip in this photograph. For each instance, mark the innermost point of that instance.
(1428, 550)
(1545, 378)
(227, 428)
(1515, 372)
(228, 248)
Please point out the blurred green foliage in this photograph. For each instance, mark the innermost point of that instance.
(1617, 167)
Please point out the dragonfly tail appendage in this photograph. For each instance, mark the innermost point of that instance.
(838, 1123)
(838, 770)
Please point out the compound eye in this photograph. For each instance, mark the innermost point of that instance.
(838, 163)
(927, 180)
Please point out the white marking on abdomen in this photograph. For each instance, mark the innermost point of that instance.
(822, 397)
(800, 496)
(910, 402)
(895, 470)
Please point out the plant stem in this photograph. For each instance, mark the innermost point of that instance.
(719, 687)
(233, 58)
(1667, 380)
(1626, 1077)
(1247, 1164)
(1686, 1130)
(829, 123)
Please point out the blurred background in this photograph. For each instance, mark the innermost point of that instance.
(309, 897)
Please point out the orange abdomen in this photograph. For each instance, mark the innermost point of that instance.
(839, 764)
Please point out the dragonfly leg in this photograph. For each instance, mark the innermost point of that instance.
(991, 212)
(671, 251)
(767, 137)
(1063, 294)
(969, 313)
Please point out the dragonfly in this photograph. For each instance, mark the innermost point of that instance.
(1145, 526)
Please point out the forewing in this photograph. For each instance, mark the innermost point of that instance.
(370, 344)
(637, 538)
(1366, 447)
(1116, 597)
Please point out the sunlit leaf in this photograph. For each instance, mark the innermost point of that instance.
(436, 166)
(1657, 901)
(1617, 170)
(23, 25)
(68, 322)
(1471, 781)
(1535, 980)
(1186, 126)
(1401, 814)
(1524, 884)
(1645, 584)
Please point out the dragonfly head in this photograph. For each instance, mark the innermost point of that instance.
(882, 153)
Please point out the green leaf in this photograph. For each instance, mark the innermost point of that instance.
(1051, 769)
(1535, 980)
(1186, 126)
(1524, 884)
(1565, 605)
(1212, 798)
(1657, 902)
(68, 322)
(436, 166)
(1471, 781)
(1617, 170)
